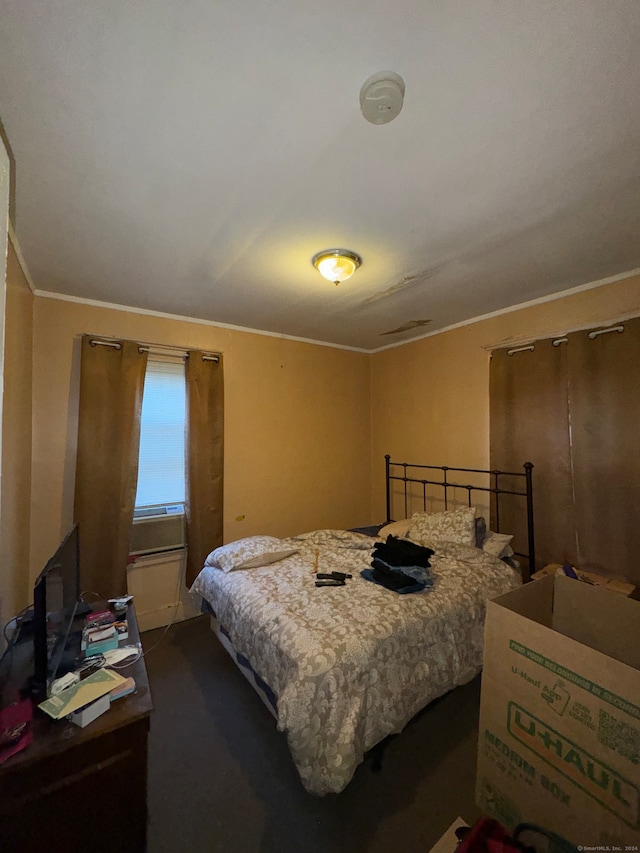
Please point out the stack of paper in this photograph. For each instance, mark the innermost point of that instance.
(99, 684)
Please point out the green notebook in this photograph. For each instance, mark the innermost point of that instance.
(92, 688)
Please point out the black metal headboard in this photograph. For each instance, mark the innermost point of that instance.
(411, 474)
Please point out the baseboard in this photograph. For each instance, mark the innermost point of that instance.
(162, 616)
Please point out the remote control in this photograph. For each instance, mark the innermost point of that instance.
(338, 576)
(330, 582)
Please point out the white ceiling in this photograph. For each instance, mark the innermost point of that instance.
(190, 157)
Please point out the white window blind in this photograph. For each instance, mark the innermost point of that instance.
(161, 468)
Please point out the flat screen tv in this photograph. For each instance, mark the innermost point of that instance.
(56, 596)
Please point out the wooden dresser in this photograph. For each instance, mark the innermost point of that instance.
(79, 789)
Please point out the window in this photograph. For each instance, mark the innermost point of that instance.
(161, 466)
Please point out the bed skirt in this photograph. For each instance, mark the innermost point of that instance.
(259, 685)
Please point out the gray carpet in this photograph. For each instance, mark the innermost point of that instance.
(221, 777)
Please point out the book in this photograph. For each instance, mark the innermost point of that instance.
(96, 635)
(105, 617)
(122, 629)
(81, 694)
(121, 690)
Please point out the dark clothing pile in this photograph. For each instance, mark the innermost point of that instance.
(400, 565)
(402, 552)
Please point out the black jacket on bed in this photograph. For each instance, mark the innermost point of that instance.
(390, 557)
(402, 552)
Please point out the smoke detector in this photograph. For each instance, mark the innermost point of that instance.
(381, 97)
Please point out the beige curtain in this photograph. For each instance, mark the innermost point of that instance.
(111, 386)
(573, 409)
(205, 457)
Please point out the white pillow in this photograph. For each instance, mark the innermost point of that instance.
(432, 528)
(395, 528)
(498, 544)
(249, 553)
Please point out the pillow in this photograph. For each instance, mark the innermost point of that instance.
(481, 531)
(322, 535)
(395, 528)
(497, 544)
(330, 538)
(249, 553)
(510, 561)
(432, 528)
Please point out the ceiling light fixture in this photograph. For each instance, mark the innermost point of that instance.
(336, 265)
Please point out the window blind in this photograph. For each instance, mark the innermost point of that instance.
(161, 466)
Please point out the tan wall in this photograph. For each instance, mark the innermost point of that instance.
(306, 427)
(430, 399)
(297, 423)
(15, 592)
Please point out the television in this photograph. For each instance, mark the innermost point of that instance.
(56, 599)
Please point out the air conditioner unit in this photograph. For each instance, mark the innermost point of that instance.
(156, 533)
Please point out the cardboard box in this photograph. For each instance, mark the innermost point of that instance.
(83, 716)
(613, 584)
(559, 739)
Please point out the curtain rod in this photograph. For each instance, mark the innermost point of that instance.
(556, 341)
(156, 350)
(521, 349)
(597, 332)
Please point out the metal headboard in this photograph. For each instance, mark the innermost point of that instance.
(409, 477)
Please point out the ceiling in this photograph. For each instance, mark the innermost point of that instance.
(190, 158)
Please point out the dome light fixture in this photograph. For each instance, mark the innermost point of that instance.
(336, 265)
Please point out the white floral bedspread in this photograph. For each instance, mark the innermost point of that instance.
(351, 665)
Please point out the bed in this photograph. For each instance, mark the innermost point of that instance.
(343, 667)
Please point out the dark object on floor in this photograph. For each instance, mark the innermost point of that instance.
(490, 836)
(541, 840)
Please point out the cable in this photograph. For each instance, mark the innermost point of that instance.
(175, 612)
(16, 633)
(138, 654)
(155, 646)
(95, 661)
(142, 653)
(11, 641)
(97, 595)
(6, 658)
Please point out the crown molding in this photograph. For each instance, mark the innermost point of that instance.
(46, 294)
(160, 314)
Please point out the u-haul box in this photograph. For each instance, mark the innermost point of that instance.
(559, 738)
